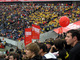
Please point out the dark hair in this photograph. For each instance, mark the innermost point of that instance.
(51, 43)
(15, 56)
(59, 44)
(43, 46)
(75, 33)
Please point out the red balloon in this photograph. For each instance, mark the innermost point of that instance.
(64, 21)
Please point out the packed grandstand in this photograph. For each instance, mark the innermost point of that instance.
(16, 16)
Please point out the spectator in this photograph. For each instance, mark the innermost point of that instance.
(49, 44)
(73, 38)
(13, 56)
(61, 51)
(7, 52)
(44, 54)
(11, 50)
(32, 53)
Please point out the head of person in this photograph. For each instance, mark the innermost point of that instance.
(13, 56)
(59, 44)
(72, 37)
(49, 43)
(32, 50)
(43, 48)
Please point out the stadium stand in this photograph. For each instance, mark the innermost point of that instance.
(18, 16)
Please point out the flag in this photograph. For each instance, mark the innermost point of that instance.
(28, 36)
(35, 31)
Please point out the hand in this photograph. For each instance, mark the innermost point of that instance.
(53, 46)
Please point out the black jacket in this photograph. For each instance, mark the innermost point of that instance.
(36, 58)
(40, 58)
(75, 52)
(63, 55)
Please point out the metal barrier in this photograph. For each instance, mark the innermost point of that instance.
(20, 44)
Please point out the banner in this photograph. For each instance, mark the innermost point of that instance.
(75, 25)
(35, 31)
(60, 30)
(28, 36)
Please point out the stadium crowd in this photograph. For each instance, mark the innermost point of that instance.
(15, 17)
(64, 48)
(42, 50)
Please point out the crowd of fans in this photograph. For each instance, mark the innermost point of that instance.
(46, 53)
(15, 17)
(62, 48)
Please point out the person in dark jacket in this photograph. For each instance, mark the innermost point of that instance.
(32, 51)
(44, 54)
(73, 38)
(61, 51)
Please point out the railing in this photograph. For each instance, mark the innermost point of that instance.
(20, 44)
